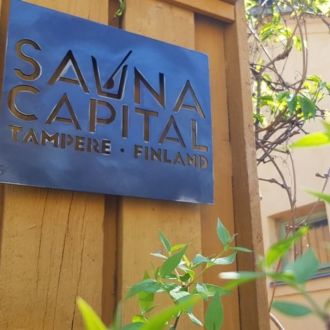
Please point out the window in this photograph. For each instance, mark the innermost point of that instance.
(314, 215)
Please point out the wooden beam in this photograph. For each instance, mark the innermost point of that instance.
(210, 40)
(219, 10)
(230, 1)
(253, 296)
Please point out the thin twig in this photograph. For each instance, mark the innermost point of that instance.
(276, 321)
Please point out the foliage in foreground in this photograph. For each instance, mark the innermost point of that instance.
(181, 280)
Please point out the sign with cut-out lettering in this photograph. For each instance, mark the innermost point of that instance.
(88, 107)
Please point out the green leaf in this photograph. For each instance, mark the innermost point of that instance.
(147, 285)
(167, 287)
(225, 260)
(286, 277)
(158, 255)
(177, 295)
(241, 249)
(292, 104)
(291, 309)
(304, 267)
(316, 139)
(281, 248)
(133, 326)
(194, 319)
(138, 319)
(297, 42)
(117, 322)
(166, 243)
(214, 314)
(223, 234)
(171, 263)
(159, 321)
(186, 277)
(146, 300)
(199, 259)
(203, 290)
(177, 247)
(90, 318)
(267, 31)
(321, 196)
(209, 290)
(308, 107)
(314, 78)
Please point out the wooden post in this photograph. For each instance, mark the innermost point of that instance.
(253, 296)
(142, 220)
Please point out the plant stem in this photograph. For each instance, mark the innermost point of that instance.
(318, 311)
(276, 321)
(174, 326)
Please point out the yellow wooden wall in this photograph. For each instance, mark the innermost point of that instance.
(56, 245)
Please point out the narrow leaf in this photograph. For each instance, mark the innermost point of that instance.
(281, 248)
(199, 259)
(292, 104)
(308, 107)
(146, 300)
(133, 326)
(176, 247)
(312, 140)
(90, 318)
(214, 314)
(321, 196)
(241, 249)
(304, 267)
(159, 321)
(194, 319)
(223, 234)
(158, 255)
(166, 243)
(291, 309)
(177, 295)
(209, 290)
(224, 260)
(147, 285)
(171, 263)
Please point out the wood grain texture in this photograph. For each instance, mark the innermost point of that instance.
(252, 297)
(51, 253)
(210, 39)
(142, 220)
(219, 10)
(94, 10)
(56, 245)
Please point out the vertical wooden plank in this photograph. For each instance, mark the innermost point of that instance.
(51, 252)
(141, 220)
(210, 39)
(252, 297)
(54, 243)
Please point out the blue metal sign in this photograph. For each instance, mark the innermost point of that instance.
(92, 108)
